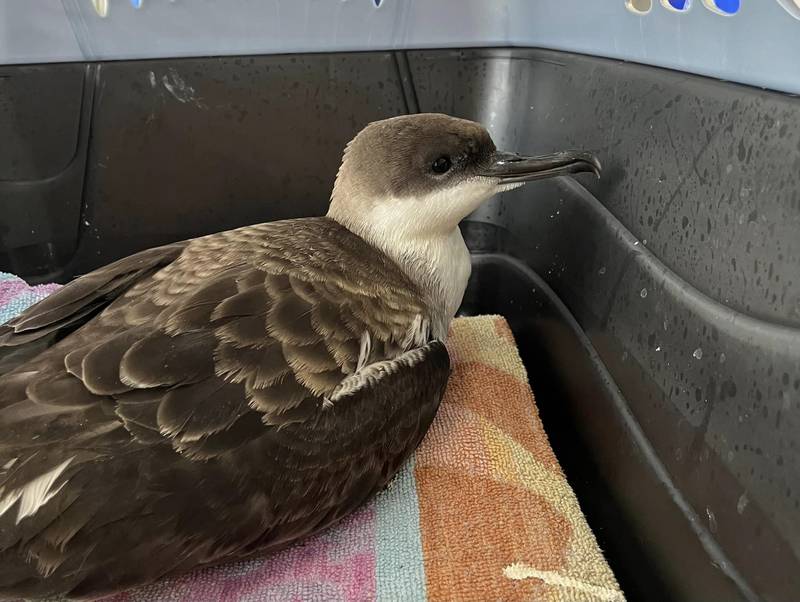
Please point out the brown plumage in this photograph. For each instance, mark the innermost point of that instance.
(215, 365)
(226, 396)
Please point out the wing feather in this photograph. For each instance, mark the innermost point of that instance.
(66, 307)
(161, 360)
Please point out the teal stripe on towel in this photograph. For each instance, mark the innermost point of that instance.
(400, 570)
(18, 303)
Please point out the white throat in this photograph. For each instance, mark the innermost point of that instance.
(421, 235)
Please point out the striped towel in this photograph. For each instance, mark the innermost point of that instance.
(481, 512)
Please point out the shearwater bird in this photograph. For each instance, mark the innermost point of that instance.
(228, 395)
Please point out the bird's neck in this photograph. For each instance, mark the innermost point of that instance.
(438, 262)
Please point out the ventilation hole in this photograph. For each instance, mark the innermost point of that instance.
(792, 7)
(101, 7)
(640, 7)
(377, 3)
(680, 6)
(723, 7)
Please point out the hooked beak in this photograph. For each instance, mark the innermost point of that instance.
(511, 167)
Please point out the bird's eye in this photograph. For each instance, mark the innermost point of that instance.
(441, 165)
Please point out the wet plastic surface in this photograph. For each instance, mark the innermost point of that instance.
(665, 346)
(45, 117)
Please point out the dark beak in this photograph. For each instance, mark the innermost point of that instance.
(511, 167)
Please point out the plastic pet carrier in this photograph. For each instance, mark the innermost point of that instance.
(657, 310)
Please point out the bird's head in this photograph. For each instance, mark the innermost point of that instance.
(420, 175)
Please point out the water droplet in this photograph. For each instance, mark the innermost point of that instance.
(643, 293)
(636, 244)
(602, 270)
(86, 222)
(698, 354)
(742, 503)
(658, 348)
(722, 358)
(712, 520)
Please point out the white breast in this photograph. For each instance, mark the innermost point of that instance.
(451, 267)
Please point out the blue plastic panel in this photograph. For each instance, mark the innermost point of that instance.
(758, 45)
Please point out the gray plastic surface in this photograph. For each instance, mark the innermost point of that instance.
(760, 45)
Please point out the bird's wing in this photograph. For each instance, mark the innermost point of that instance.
(73, 305)
(275, 369)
